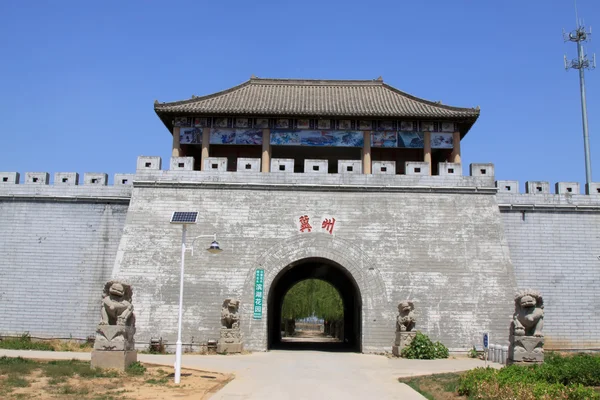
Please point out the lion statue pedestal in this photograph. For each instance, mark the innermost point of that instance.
(405, 323)
(114, 346)
(230, 340)
(526, 338)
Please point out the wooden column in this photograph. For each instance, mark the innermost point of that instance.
(427, 149)
(205, 146)
(366, 153)
(176, 152)
(456, 149)
(266, 151)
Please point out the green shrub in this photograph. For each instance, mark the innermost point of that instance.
(422, 348)
(558, 378)
(136, 369)
(16, 365)
(24, 342)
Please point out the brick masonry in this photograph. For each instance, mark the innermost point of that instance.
(450, 243)
(57, 247)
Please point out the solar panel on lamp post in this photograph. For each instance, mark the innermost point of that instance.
(184, 219)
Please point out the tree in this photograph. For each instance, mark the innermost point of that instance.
(312, 297)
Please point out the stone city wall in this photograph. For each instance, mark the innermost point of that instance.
(57, 247)
(448, 242)
(437, 240)
(554, 242)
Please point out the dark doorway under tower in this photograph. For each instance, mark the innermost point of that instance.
(332, 273)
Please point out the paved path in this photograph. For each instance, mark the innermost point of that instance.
(286, 375)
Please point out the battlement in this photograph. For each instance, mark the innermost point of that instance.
(350, 175)
(66, 187)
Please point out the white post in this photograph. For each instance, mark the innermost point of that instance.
(178, 344)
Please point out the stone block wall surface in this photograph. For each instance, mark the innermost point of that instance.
(58, 245)
(554, 242)
(390, 241)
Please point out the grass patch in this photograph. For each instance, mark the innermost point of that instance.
(68, 368)
(160, 381)
(14, 380)
(16, 365)
(24, 342)
(135, 369)
(434, 387)
(570, 377)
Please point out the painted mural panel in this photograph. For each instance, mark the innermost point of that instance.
(442, 141)
(317, 138)
(190, 136)
(384, 139)
(235, 136)
(414, 140)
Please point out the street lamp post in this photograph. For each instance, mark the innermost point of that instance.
(184, 219)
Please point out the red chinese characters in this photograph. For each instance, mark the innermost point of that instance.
(304, 224)
(328, 224)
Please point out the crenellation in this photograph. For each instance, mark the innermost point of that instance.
(481, 169)
(95, 178)
(316, 166)
(349, 167)
(9, 178)
(593, 189)
(245, 164)
(37, 178)
(507, 186)
(446, 168)
(383, 167)
(181, 164)
(567, 188)
(417, 168)
(282, 165)
(537, 187)
(66, 178)
(145, 163)
(123, 179)
(215, 164)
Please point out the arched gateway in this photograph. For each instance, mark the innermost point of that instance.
(336, 261)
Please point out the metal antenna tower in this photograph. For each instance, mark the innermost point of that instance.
(581, 63)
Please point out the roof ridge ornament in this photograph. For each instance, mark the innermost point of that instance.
(380, 79)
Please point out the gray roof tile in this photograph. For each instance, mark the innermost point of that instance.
(334, 98)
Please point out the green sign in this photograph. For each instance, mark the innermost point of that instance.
(258, 293)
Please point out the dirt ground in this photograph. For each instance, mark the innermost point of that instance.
(156, 383)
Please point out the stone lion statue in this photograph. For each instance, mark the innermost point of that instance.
(405, 322)
(230, 318)
(529, 314)
(116, 304)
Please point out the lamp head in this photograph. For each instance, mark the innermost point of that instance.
(214, 248)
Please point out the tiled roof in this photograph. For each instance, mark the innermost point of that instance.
(315, 98)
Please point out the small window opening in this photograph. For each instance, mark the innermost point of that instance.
(148, 165)
(483, 171)
(248, 166)
(508, 188)
(65, 180)
(538, 188)
(181, 165)
(349, 168)
(383, 169)
(215, 166)
(4, 179)
(569, 189)
(94, 180)
(450, 170)
(598, 190)
(417, 170)
(35, 179)
(315, 167)
(124, 181)
(282, 167)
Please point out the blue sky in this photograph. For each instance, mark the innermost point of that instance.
(78, 78)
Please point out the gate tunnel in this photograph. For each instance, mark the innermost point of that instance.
(332, 273)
